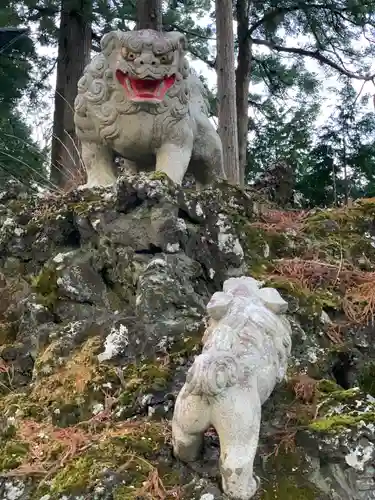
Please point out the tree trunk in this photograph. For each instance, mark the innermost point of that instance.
(334, 182)
(226, 88)
(73, 55)
(149, 15)
(345, 168)
(244, 59)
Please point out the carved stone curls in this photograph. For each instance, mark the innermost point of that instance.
(245, 353)
(139, 99)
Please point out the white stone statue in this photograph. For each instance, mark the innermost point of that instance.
(245, 353)
(139, 99)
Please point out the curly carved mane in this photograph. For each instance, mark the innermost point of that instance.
(245, 326)
(100, 94)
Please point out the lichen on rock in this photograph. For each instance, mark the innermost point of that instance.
(102, 310)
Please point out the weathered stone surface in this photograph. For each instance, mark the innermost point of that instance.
(245, 354)
(166, 126)
(102, 302)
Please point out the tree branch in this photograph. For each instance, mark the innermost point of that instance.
(95, 37)
(279, 11)
(314, 54)
(42, 11)
(95, 41)
(211, 64)
(190, 33)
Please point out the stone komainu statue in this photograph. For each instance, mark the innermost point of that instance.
(139, 99)
(245, 353)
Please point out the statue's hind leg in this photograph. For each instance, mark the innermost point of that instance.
(236, 418)
(207, 165)
(191, 418)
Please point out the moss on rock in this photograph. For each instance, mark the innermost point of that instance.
(78, 403)
(338, 423)
(367, 379)
(158, 175)
(75, 477)
(341, 409)
(308, 303)
(187, 346)
(129, 450)
(63, 384)
(285, 480)
(140, 379)
(45, 285)
(326, 386)
(8, 332)
(12, 453)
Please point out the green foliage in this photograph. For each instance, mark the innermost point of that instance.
(20, 158)
(286, 36)
(327, 32)
(342, 164)
(284, 135)
(22, 71)
(332, 162)
(122, 15)
(318, 179)
(14, 70)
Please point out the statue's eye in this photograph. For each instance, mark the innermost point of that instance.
(128, 56)
(165, 59)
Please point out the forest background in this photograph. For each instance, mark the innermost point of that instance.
(304, 85)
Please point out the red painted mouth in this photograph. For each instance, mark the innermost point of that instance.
(145, 89)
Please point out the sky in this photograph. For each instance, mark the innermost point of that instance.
(42, 131)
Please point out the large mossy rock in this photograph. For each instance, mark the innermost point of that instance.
(102, 310)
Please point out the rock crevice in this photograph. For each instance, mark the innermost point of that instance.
(103, 296)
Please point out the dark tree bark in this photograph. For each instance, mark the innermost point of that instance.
(149, 15)
(226, 88)
(73, 55)
(243, 73)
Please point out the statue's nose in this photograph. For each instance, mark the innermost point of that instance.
(149, 59)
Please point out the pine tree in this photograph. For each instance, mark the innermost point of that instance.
(74, 47)
(350, 133)
(226, 89)
(293, 33)
(149, 14)
(20, 158)
(289, 34)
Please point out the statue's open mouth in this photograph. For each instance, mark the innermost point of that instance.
(145, 89)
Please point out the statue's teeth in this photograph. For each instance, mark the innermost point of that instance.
(161, 87)
(128, 84)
